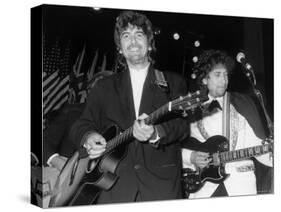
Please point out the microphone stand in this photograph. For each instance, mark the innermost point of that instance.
(251, 76)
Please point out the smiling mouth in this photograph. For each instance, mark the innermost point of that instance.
(134, 52)
(135, 49)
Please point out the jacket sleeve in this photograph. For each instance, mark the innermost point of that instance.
(53, 136)
(89, 121)
(176, 128)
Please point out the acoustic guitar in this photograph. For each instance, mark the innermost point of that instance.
(53, 188)
(81, 179)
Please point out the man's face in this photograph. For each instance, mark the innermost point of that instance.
(134, 45)
(217, 81)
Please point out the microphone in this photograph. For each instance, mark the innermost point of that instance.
(241, 59)
(247, 66)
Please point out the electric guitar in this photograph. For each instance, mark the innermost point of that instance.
(218, 147)
(80, 179)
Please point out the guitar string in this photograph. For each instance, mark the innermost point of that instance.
(233, 131)
(113, 143)
(246, 153)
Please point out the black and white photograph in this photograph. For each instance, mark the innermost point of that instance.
(140, 105)
(148, 106)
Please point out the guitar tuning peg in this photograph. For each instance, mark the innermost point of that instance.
(184, 113)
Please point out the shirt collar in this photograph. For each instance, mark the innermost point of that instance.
(139, 73)
(219, 99)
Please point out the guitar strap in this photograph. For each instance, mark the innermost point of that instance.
(230, 122)
(161, 81)
(202, 129)
(226, 116)
(234, 125)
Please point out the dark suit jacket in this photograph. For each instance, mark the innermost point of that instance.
(56, 136)
(153, 172)
(247, 108)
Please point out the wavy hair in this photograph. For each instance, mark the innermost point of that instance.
(138, 20)
(208, 60)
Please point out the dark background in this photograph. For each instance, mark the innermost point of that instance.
(81, 26)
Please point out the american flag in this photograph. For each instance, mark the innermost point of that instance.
(62, 83)
(55, 77)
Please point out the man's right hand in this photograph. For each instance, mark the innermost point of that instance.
(58, 162)
(200, 159)
(95, 145)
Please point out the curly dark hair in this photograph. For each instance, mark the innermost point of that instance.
(206, 62)
(138, 20)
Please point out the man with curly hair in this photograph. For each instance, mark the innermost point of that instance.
(233, 115)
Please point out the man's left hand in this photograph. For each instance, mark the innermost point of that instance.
(141, 131)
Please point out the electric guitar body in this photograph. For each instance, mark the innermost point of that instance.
(218, 147)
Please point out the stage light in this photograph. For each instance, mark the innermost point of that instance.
(96, 8)
(197, 43)
(195, 59)
(193, 76)
(157, 31)
(176, 36)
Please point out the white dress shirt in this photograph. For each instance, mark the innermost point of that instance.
(137, 81)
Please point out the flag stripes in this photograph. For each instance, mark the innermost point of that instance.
(56, 68)
(56, 93)
(49, 82)
(65, 82)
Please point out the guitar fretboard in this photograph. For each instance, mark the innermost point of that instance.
(241, 154)
(180, 104)
(127, 135)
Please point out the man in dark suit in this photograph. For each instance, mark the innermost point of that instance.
(56, 144)
(151, 168)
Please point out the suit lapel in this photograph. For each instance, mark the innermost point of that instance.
(152, 96)
(124, 90)
(148, 93)
(249, 111)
